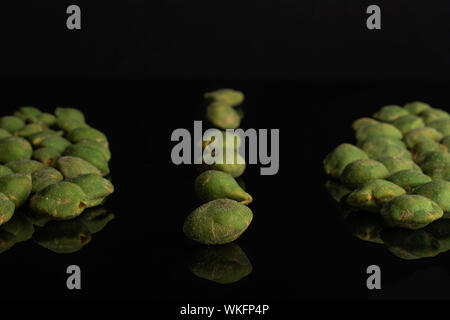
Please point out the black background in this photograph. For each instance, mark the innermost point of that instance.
(267, 39)
(138, 71)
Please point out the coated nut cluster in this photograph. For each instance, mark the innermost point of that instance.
(399, 169)
(52, 167)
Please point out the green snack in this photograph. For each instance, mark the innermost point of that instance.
(212, 185)
(63, 236)
(373, 194)
(411, 211)
(222, 264)
(7, 208)
(226, 96)
(20, 227)
(361, 171)
(409, 179)
(44, 177)
(366, 226)
(362, 122)
(4, 171)
(62, 201)
(37, 138)
(408, 123)
(30, 111)
(17, 187)
(390, 113)
(46, 119)
(441, 125)
(29, 130)
(217, 222)
(344, 154)
(28, 114)
(410, 244)
(379, 147)
(379, 129)
(435, 161)
(69, 125)
(424, 147)
(25, 166)
(377, 140)
(97, 146)
(394, 164)
(4, 133)
(337, 190)
(416, 135)
(433, 114)
(14, 148)
(438, 191)
(11, 123)
(94, 186)
(79, 134)
(222, 116)
(416, 107)
(47, 156)
(69, 113)
(72, 167)
(56, 142)
(90, 155)
(95, 219)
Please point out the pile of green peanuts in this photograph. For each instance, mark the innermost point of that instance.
(52, 168)
(398, 169)
(224, 215)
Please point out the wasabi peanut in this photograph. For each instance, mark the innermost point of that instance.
(14, 148)
(374, 194)
(359, 172)
(218, 222)
(344, 154)
(17, 187)
(62, 201)
(44, 177)
(11, 123)
(213, 184)
(411, 211)
(227, 96)
(222, 116)
(390, 113)
(72, 167)
(95, 187)
(69, 113)
(416, 107)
